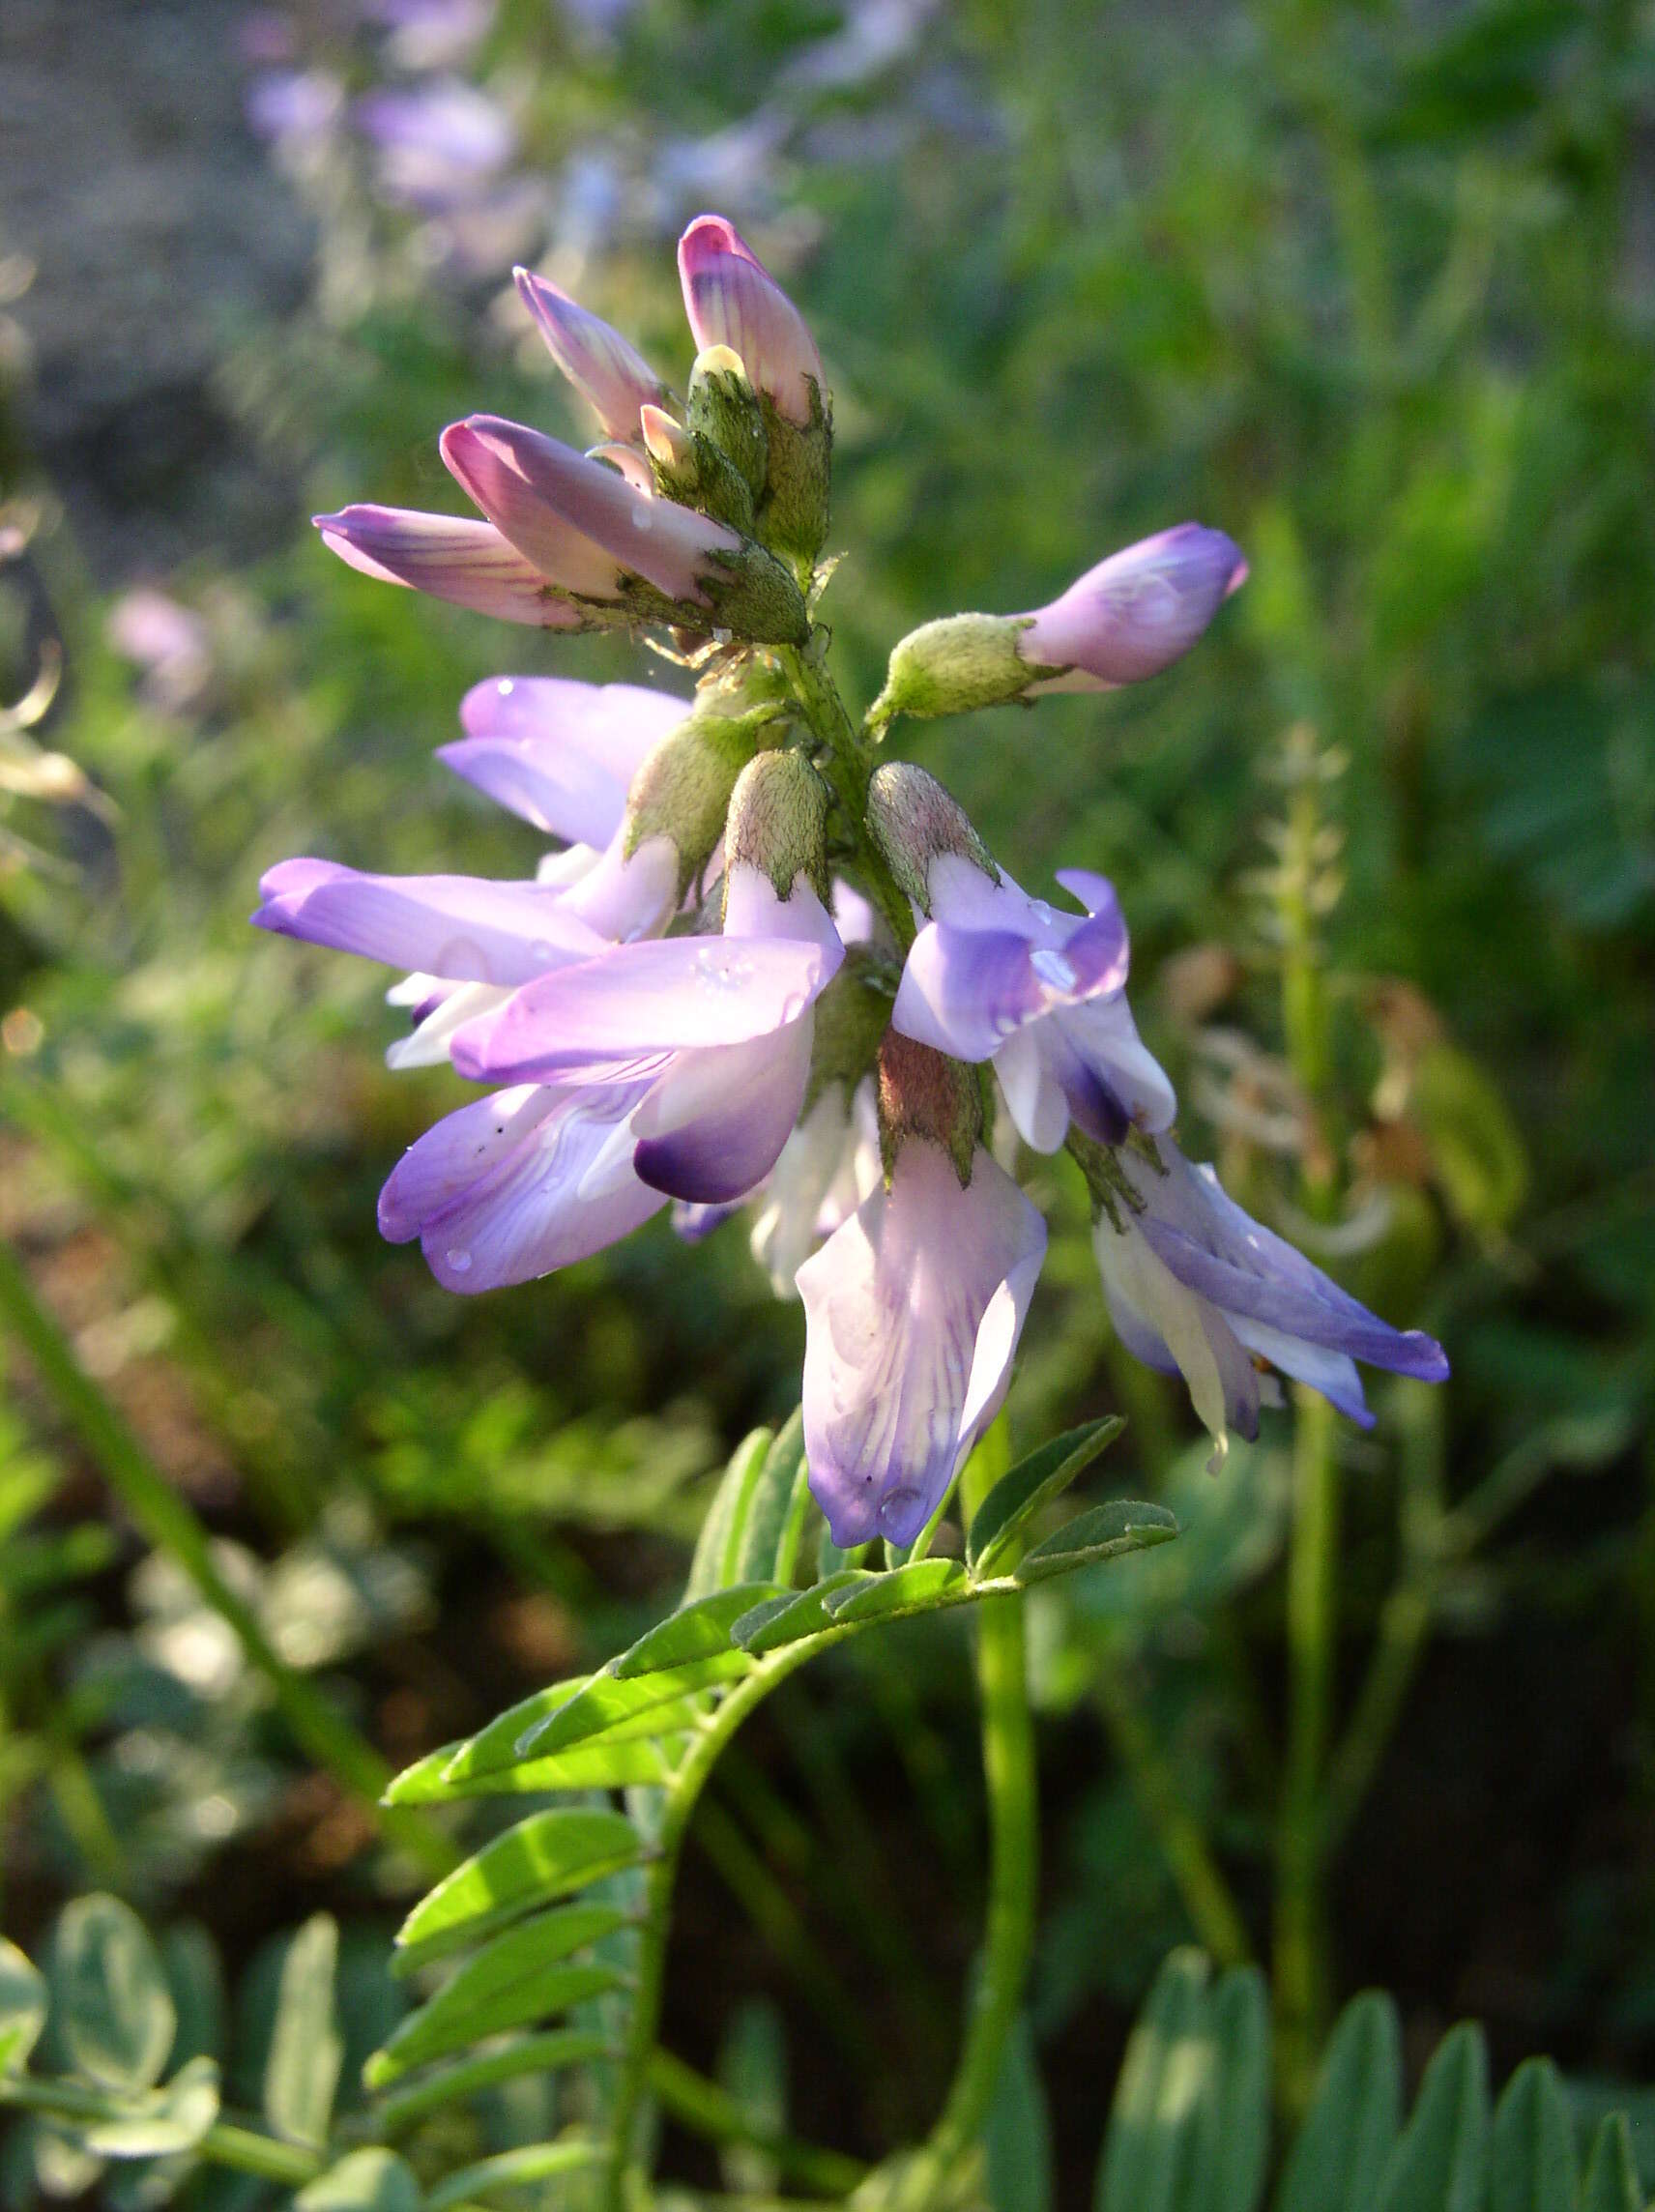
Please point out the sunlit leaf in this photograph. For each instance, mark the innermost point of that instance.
(696, 1633)
(544, 1856)
(22, 2006)
(1104, 1532)
(1438, 2165)
(913, 1589)
(302, 2072)
(758, 1554)
(109, 1998)
(1342, 2150)
(604, 1764)
(165, 2121)
(1034, 1482)
(789, 1619)
(607, 1703)
(371, 2180)
(517, 1979)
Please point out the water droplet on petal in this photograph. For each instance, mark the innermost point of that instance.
(459, 1259)
(1052, 967)
(642, 518)
(505, 688)
(1042, 912)
(542, 949)
(719, 967)
(1006, 1025)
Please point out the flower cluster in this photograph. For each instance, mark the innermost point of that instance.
(761, 968)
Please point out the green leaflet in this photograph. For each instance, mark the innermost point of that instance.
(1017, 2134)
(914, 1589)
(719, 1541)
(1437, 2165)
(1612, 2177)
(1034, 1482)
(606, 1763)
(606, 1701)
(530, 2162)
(1342, 2150)
(1104, 1532)
(22, 2006)
(1531, 2165)
(790, 1619)
(302, 2072)
(544, 1856)
(696, 1633)
(164, 2122)
(1150, 2154)
(517, 1979)
(760, 1550)
(366, 2181)
(109, 1998)
(549, 2053)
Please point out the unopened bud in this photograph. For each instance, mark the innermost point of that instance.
(681, 790)
(924, 1094)
(724, 409)
(951, 666)
(915, 821)
(778, 823)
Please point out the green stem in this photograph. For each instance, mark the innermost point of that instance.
(1301, 1975)
(712, 2111)
(681, 1794)
(846, 763)
(170, 1525)
(226, 2143)
(1009, 1773)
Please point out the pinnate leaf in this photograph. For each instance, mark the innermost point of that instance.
(546, 1856)
(1611, 2182)
(302, 2072)
(1531, 2164)
(696, 1633)
(1438, 2165)
(371, 2180)
(1104, 1532)
(164, 2122)
(1034, 1482)
(758, 1554)
(917, 1587)
(22, 2006)
(520, 1977)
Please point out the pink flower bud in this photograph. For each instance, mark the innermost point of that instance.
(732, 300)
(450, 557)
(611, 375)
(1135, 613)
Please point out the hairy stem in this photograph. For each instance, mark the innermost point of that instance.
(170, 1525)
(846, 763)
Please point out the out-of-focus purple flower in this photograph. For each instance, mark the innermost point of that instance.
(266, 36)
(732, 300)
(912, 1312)
(610, 374)
(295, 106)
(1135, 613)
(559, 754)
(996, 974)
(721, 1028)
(439, 142)
(452, 558)
(429, 34)
(168, 642)
(1197, 1286)
(576, 521)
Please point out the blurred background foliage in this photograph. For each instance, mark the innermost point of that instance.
(1371, 287)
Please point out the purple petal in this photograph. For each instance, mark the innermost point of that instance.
(546, 496)
(560, 753)
(732, 300)
(611, 375)
(463, 929)
(503, 1190)
(656, 996)
(715, 1126)
(912, 1311)
(964, 991)
(449, 556)
(1137, 612)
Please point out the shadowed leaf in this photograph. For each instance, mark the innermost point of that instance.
(1005, 1512)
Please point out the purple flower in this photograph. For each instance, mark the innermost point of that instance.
(719, 1028)
(451, 558)
(732, 300)
(583, 526)
(912, 1312)
(825, 1169)
(611, 375)
(440, 143)
(559, 754)
(516, 1184)
(1197, 1286)
(1135, 613)
(294, 105)
(996, 974)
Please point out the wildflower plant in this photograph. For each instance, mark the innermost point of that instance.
(769, 966)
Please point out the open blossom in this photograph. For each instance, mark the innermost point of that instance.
(721, 1027)
(912, 1312)
(996, 974)
(559, 754)
(828, 1165)
(1134, 614)
(1195, 1286)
